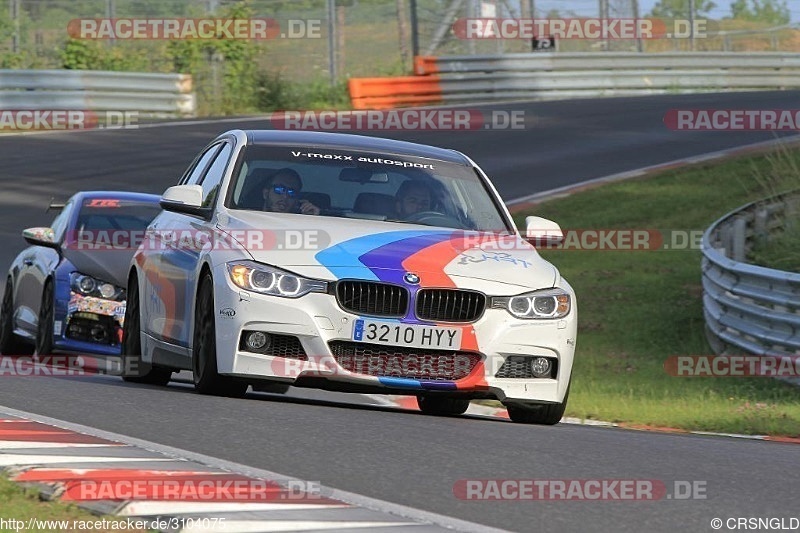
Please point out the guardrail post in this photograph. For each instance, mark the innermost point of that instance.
(739, 239)
(760, 227)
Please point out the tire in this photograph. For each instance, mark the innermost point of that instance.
(546, 415)
(10, 344)
(135, 370)
(434, 405)
(44, 327)
(204, 347)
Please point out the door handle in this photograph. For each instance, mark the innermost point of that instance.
(27, 262)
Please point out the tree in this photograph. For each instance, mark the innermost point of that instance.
(679, 9)
(772, 12)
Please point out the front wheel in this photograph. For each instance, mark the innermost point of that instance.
(204, 348)
(44, 328)
(547, 415)
(133, 368)
(10, 344)
(434, 405)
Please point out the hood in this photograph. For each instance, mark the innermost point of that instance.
(106, 265)
(336, 248)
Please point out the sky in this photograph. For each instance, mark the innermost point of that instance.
(587, 7)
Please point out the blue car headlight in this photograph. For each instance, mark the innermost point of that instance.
(89, 286)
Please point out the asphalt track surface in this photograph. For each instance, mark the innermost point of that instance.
(400, 456)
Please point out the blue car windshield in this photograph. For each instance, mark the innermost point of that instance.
(113, 214)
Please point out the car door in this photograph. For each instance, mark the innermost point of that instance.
(162, 290)
(37, 264)
(180, 262)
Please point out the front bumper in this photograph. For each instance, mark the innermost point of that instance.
(316, 320)
(88, 325)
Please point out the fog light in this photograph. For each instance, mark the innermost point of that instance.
(540, 367)
(257, 341)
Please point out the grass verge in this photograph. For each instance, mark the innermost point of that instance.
(23, 505)
(637, 308)
(781, 252)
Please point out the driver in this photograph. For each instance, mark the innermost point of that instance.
(280, 194)
(412, 197)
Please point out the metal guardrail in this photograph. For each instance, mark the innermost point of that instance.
(555, 75)
(94, 90)
(749, 308)
(548, 76)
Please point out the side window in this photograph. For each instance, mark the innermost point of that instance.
(192, 176)
(212, 180)
(61, 221)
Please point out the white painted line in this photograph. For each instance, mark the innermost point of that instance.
(171, 507)
(401, 511)
(588, 422)
(23, 460)
(17, 444)
(661, 166)
(381, 400)
(733, 435)
(249, 526)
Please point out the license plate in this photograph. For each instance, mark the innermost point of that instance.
(413, 336)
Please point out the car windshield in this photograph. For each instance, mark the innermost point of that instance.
(364, 185)
(115, 214)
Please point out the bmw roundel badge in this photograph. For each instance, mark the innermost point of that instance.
(411, 278)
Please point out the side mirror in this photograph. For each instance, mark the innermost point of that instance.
(541, 232)
(41, 237)
(186, 199)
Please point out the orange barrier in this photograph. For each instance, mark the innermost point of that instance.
(425, 65)
(387, 93)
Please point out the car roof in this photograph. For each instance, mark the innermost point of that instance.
(346, 141)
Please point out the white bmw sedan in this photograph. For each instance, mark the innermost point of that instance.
(354, 264)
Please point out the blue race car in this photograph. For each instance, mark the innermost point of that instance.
(65, 293)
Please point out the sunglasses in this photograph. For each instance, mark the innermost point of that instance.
(280, 189)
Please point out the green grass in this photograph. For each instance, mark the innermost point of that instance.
(637, 308)
(23, 504)
(781, 252)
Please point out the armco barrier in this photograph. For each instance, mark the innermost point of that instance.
(539, 76)
(381, 93)
(749, 308)
(147, 93)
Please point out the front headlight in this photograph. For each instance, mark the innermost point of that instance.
(265, 279)
(89, 286)
(546, 303)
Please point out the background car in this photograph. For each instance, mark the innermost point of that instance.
(409, 277)
(66, 291)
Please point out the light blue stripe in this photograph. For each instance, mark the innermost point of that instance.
(402, 383)
(343, 259)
